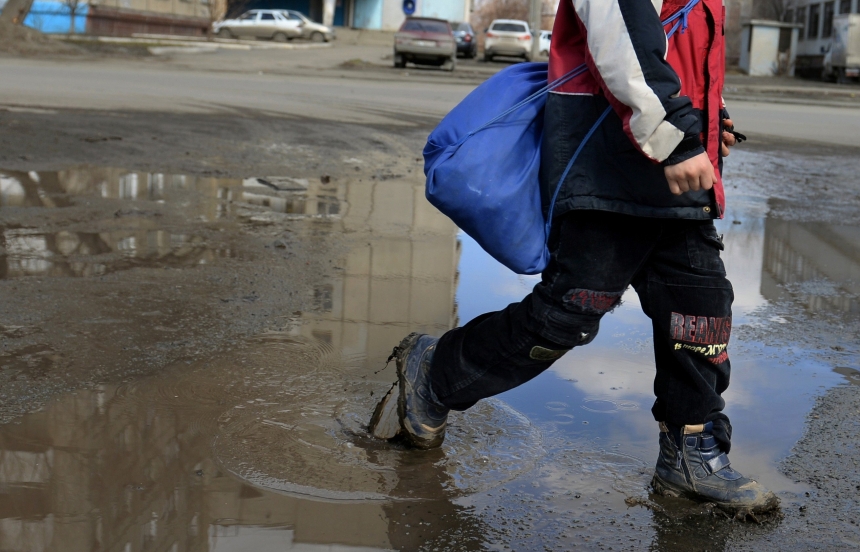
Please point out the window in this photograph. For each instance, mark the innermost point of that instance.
(789, 16)
(845, 6)
(323, 298)
(814, 20)
(425, 26)
(268, 17)
(510, 28)
(801, 18)
(827, 31)
(248, 16)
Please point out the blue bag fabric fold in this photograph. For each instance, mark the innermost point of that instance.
(490, 189)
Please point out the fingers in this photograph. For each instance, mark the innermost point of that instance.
(707, 179)
(694, 174)
(729, 139)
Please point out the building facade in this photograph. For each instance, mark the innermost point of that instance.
(194, 17)
(385, 15)
(816, 18)
(125, 17)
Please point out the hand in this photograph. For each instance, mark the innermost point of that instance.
(729, 139)
(696, 173)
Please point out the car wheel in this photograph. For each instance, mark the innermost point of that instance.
(317, 36)
(399, 61)
(488, 57)
(544, 53)
(280, 37)
(527, 58)
(224, 32)
(452, 63)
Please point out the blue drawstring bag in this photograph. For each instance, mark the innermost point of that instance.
(488, 187)
(482, 165)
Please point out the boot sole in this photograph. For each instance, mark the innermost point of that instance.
(667, 489)
(385, 422)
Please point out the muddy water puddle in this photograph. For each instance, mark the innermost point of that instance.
(265, 447)
(139, 233)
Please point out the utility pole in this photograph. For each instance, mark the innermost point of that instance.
(535, 8)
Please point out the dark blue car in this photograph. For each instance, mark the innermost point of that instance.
(467, 43)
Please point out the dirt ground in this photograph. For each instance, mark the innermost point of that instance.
(213, 269)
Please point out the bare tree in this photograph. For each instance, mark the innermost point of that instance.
(772, 9)
(488, 10)
(215, 11)
(73, 6)
(15, 11)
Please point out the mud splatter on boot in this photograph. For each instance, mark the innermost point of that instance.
(410, 408)
(699, 470)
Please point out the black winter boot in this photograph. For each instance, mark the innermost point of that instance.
(410, 408)
(700, 471)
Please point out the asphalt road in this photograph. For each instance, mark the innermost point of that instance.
(371, 97)
(146, 86)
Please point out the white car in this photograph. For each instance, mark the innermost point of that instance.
(311, 30)
(272, 24)
(544, 42)
(508, 37)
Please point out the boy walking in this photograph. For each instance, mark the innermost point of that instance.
(636, 209)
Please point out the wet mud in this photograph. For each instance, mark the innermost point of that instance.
(189, 361)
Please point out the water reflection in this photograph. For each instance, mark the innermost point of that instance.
(814, 264)
(223, 455)
(139, 466)
(145, 238)
(31, 189)
(29, 252)
(97, 473)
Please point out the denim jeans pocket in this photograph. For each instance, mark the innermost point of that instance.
(704, 246)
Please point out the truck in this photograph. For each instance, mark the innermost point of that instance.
(842, 60)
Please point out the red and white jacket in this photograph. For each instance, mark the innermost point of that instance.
(666, 94)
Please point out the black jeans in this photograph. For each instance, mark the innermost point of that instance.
(674, 266)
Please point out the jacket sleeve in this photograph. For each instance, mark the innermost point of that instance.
(627, 55)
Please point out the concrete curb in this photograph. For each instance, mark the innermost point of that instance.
(156, 41)
(251, 44)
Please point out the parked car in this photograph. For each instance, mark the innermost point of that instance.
(311, 30)
(544, 42)
(259, 24)
(425, 41)
(467, 39)
(508, 37)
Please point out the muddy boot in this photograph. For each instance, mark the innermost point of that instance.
(700, 471)
(410, 408)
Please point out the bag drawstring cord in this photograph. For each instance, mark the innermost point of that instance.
(681, 15)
